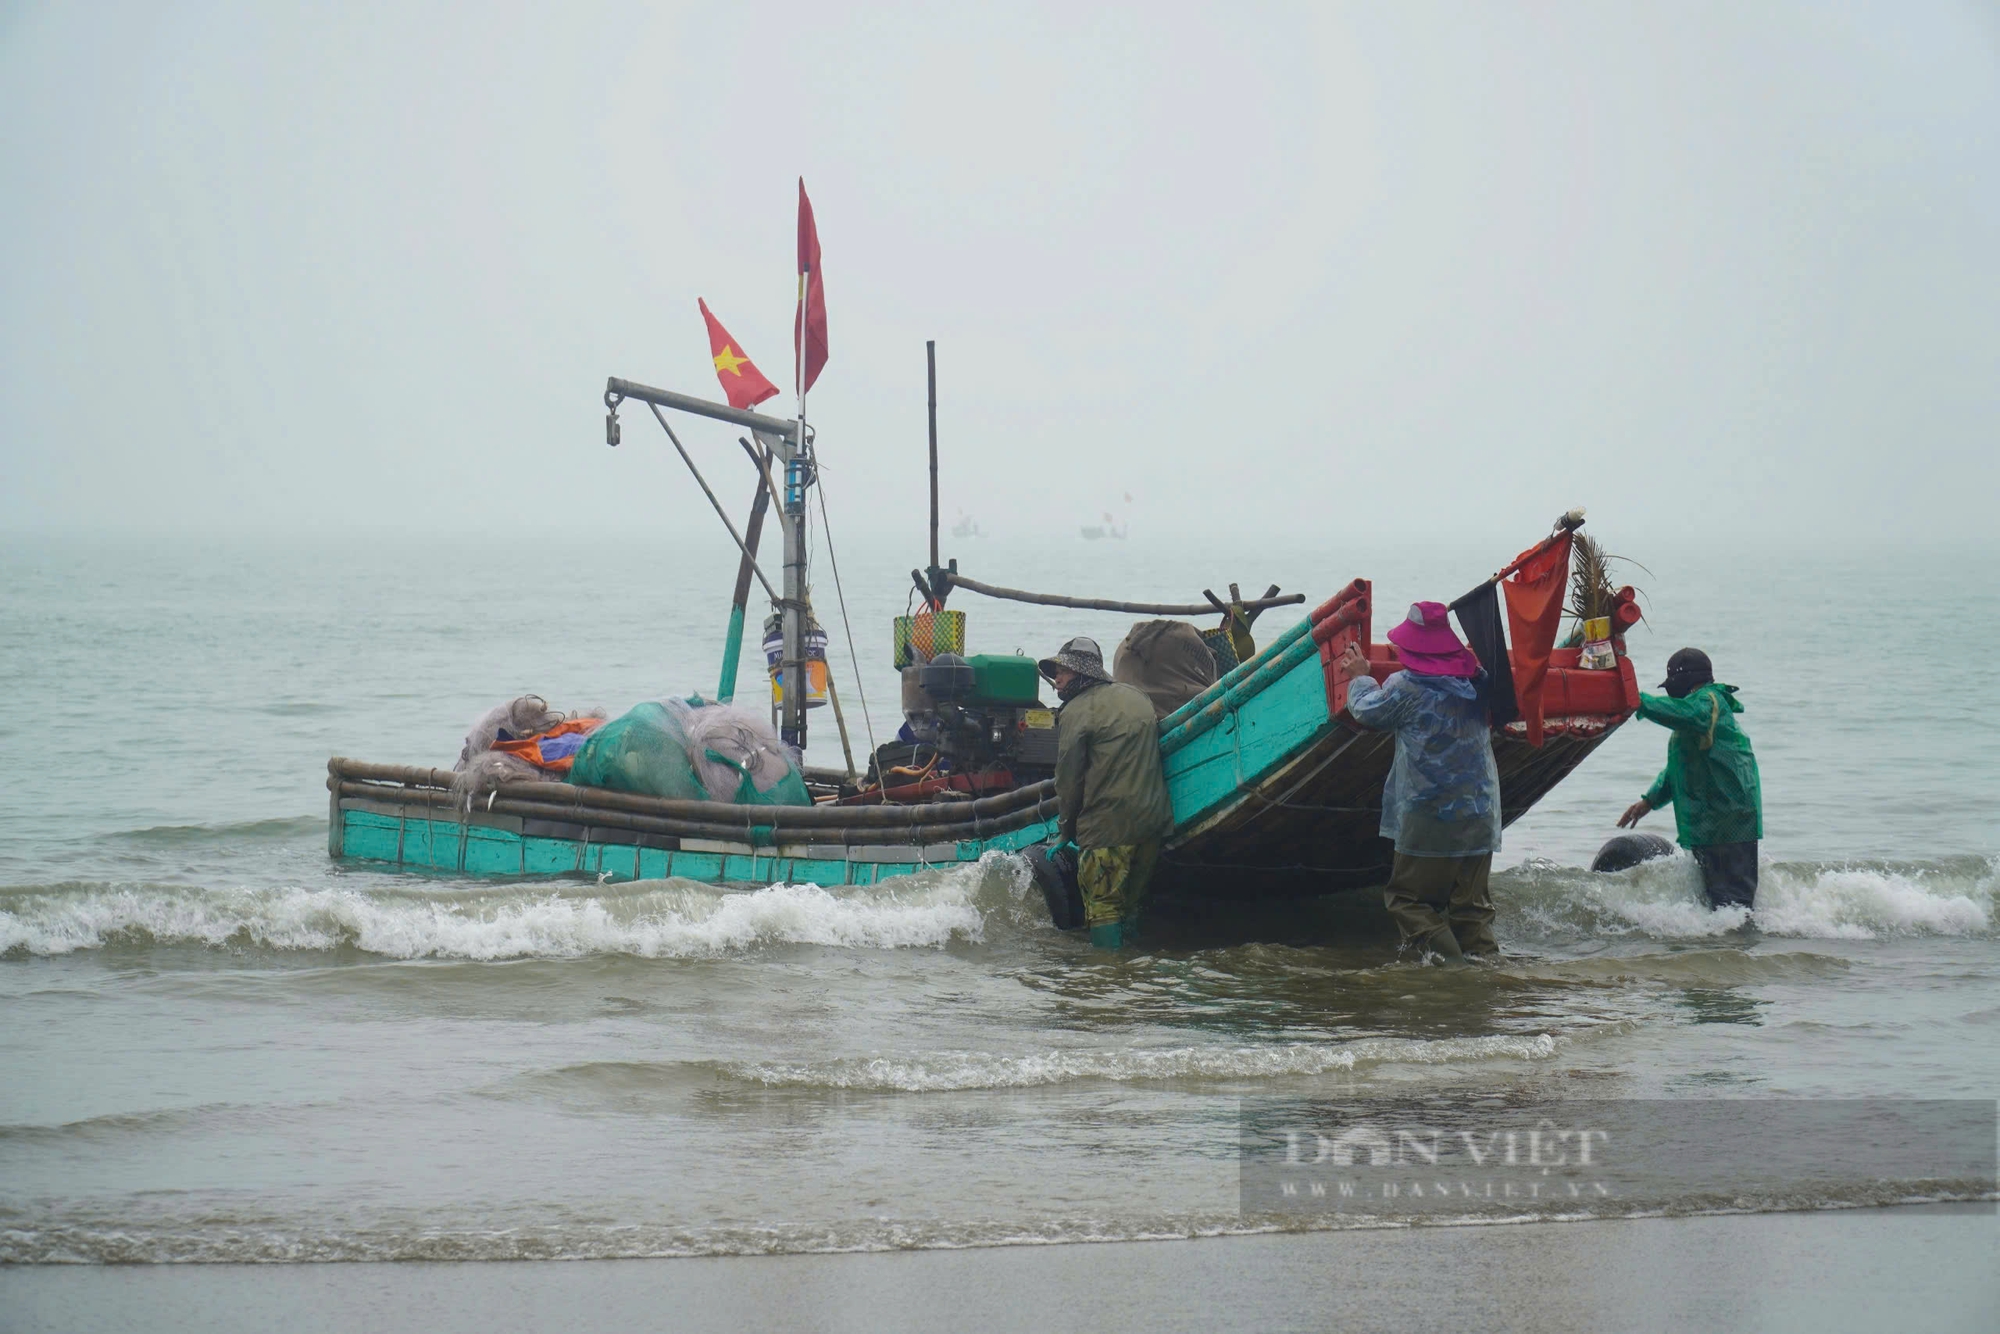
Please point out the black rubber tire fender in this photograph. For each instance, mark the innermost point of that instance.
(1628, 850)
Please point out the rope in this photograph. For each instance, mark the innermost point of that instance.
(833, 559)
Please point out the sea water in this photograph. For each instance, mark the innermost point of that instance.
(220, 1045)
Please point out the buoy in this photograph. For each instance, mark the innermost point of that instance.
(1055, 872)
(1628, 850)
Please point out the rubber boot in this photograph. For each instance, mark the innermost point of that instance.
(1110, 936)
(1445, 945)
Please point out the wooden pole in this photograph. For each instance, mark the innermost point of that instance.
(840, 721)
(763, 460)
(930, 365)
(732, 645)
(1106, 604)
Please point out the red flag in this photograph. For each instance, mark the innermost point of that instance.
(743, 384)
(809, 325)
(1534, 613)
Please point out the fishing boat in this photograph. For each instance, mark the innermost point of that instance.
(1110, 530)
(1276, 790)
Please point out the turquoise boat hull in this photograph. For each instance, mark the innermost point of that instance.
(489, 845)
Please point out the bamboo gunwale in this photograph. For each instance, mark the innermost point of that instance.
(669, 809)
(564, 801)
(745, 829)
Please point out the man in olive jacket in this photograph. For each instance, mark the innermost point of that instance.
(1111, 788)
(1711, 778)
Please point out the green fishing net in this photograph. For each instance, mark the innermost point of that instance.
(644, 750)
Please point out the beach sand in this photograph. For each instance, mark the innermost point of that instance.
(1918, 1268)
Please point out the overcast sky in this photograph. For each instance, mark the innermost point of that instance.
(1705, 269)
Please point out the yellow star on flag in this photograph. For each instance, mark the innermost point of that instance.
(742, 383)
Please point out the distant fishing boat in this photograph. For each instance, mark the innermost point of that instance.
(967, 526)
(1109, 529)
(1275, 789)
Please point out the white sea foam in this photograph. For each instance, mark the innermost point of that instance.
(665, 919)
(1663, 899)
(260, 1238)
(1862, 902)
(947, 1070)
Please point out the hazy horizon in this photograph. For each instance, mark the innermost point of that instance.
(1716, 274)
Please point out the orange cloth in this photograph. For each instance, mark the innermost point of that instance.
(530, 748)
(1534, 614)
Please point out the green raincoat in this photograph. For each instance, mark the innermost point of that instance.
(1711, 776)
(1111, 788)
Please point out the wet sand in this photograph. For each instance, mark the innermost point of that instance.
(1932, 1268)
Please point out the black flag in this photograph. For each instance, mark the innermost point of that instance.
(1478, 615)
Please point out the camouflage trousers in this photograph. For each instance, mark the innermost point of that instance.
(1114, 880)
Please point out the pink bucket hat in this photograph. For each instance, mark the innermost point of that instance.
(1427, 644)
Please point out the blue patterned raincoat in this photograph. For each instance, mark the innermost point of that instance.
(1443, 794)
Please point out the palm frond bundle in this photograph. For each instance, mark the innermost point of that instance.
(1592, 591)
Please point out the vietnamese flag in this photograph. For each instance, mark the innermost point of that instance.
(742, 383)
(1534, 613)
(809, 325)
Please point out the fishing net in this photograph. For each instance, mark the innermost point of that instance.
(487, 772)
(644, 750)
(516, 718)
(737, 755)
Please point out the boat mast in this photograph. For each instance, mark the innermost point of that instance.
(792, 609)
(930, 367)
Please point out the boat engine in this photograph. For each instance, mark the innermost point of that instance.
(981, 716)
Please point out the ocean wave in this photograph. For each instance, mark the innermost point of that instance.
(1689, 967)
(432, 917)
(258, 1238)
(955, 1070)
(116, 1125)
(658, 919)
(283, 830)
(1808, 900)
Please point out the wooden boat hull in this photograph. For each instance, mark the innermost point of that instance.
(1275, 789)
(1311, 828)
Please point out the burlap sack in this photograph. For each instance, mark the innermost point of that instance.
(1167, 660)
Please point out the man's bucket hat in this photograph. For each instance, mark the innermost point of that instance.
(1080, 655)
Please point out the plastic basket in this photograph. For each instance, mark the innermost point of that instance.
(1223, 648)
(922, 637)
